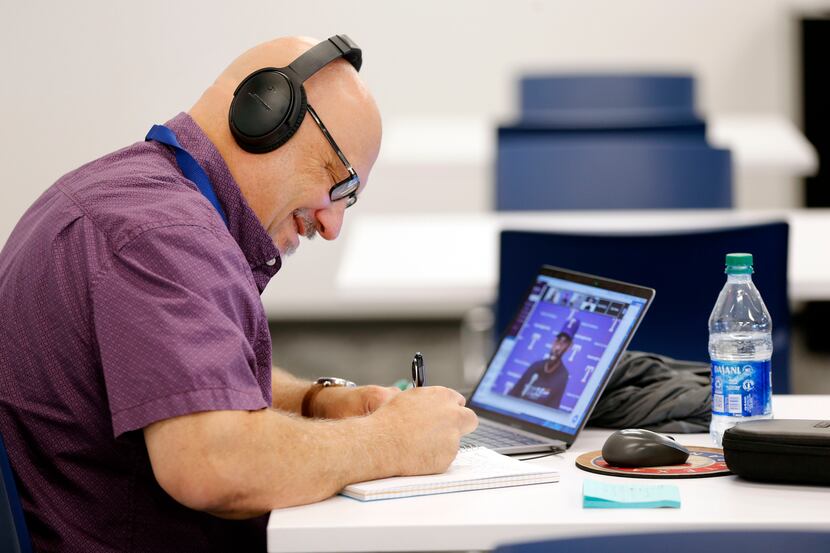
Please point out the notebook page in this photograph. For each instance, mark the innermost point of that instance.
(473, 468)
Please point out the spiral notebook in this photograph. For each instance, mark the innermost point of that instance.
(475, 468)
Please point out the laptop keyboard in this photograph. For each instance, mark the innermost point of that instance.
(491, 436)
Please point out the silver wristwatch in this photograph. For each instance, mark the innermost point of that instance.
(306, 408)
(327, 381)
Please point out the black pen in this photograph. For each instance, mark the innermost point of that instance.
(419, 376)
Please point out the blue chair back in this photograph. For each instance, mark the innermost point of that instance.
(686, 269)
(14, 536)
(608, 99)
(588, 170)
(609, 141)
(683, 542)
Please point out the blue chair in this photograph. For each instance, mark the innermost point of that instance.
(609, 99)
(685, 267)
(572, 171)
(14, 536)
(609, 141)
(683, 542)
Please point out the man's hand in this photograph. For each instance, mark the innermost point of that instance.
(425, 425)
(338, 402)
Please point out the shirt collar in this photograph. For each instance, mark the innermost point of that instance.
(250, 235)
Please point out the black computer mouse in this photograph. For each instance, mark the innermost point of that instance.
(634, 447)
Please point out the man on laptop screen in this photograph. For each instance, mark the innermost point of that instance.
(545, 380)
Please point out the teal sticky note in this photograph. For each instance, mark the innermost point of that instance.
(606, 495)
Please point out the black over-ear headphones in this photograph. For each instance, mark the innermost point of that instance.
(269, 105)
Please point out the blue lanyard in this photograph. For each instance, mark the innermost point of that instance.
(189, 166)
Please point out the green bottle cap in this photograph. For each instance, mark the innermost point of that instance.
(739, 264)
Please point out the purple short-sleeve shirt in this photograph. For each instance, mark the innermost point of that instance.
(126, 301)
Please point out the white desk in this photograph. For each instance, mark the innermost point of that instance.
(763, 142)
(446, 263)
(453, 159)
(481, 520)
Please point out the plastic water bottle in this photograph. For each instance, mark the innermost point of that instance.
(740, 346)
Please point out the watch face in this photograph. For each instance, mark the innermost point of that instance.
(334, 381)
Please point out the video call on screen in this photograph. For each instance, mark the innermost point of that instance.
(544, 381)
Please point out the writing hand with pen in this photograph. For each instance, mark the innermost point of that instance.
(423, 424)
(426, 423)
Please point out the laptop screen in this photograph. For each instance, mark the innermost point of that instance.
(555, 357)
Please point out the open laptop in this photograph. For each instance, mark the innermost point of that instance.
(554, 360)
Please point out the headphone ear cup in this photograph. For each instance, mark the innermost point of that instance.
(291, 126)
(267, 109)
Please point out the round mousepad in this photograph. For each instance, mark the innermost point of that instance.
(703, 462)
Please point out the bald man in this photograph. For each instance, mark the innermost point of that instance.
(137, 398)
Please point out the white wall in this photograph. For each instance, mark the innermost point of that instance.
(81, 78)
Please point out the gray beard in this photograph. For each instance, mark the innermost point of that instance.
(310, 230)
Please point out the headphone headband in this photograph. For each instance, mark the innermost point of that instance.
(338, 46)
(269, 104)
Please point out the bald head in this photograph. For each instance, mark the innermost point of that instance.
(288, 188)
(279, 52)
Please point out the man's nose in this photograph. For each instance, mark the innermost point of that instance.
(330, 219)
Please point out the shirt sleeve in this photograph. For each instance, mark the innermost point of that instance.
(170, 317)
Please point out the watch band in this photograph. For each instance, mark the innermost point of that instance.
(308, 399)
(307, 407)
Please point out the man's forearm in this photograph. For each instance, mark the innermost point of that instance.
(287, 391)
(238, 464)
(308, 461)
(242, 464)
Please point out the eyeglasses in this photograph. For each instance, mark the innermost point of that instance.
(346, 188)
